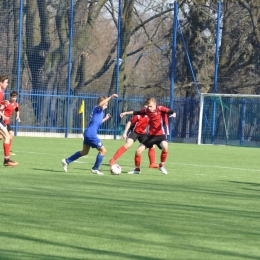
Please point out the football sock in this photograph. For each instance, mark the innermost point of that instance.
(6, 150)
(119, 152)
(73, 157)
(99, 160)
(163, 158)
(151, 154)
(138, 159)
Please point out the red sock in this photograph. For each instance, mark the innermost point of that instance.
(119, 152)
(163, 157)
(151, 154)
(6, 150)
(138, 159)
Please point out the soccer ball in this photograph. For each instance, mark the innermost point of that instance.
(115, 169)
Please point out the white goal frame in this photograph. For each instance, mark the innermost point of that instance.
(203, 95)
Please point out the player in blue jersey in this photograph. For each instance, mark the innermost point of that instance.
(91, 139)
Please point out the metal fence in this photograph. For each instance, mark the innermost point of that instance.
(43, 113)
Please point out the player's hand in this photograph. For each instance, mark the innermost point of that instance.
(18, 119)
(173, 115)
(114, 96)
(124, 136)
(122, 114)
(108, 116)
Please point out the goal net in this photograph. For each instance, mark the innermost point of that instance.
(229, 119)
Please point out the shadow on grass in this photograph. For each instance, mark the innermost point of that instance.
(90, 252)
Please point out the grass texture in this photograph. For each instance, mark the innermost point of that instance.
(207, 207)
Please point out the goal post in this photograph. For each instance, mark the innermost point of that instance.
(229, 119)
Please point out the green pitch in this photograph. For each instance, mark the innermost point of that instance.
(207, 207)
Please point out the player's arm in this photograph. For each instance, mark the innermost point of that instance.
(126, 129)
(2, 106)
(168, 111)
(106, 118)
(103, 102)
(17, 110)
(126, 113)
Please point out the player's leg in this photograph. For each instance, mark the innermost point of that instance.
(6, 146)
(151, 152)
(75, 156)
(164, 154)
(152, 158)
(120, 151)
(100, 156)
(11, 134)
(138, 159)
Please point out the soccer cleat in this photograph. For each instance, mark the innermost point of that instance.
(10, 163)
(112, 162)
(64, 165)
(97, 172)
(154, 165)
(163, 170)
(135, 171)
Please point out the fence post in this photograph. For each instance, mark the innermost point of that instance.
(216, 74)
(118, 64)
(20, 40)
(174, 40)
(69, 67)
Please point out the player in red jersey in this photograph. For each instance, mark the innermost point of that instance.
(158, 131)
(135, 129)
(3, 128)
(8, 107)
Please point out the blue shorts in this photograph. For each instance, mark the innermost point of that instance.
(92, 141)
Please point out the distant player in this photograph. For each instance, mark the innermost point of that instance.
(136, 129)
(91, 139)
(158, 132)
(3, 129)
(7, 108)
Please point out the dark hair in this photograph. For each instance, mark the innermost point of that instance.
(3, 78)
(13, 93)
(101, 98)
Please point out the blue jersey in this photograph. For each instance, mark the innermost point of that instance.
(96, 119)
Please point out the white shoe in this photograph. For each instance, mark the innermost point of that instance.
(163, 170)
(134, 171)
(64, 165)
(97, 172)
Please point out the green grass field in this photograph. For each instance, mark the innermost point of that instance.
(207, 207)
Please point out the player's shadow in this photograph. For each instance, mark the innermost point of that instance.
(46, 170)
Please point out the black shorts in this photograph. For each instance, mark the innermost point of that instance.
(154, 139)
(9, 128)
(135, 136)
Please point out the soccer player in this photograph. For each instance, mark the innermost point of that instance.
(3, 128)
(91, 139)
(7, 108)
(158, 131)
(136, 129)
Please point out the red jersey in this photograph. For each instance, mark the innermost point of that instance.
(8, 110)
(139, 124)
(1, 95)
(158, 120)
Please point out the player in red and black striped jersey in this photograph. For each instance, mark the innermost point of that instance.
(136, 129)
(158, 132)
(3, 129)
